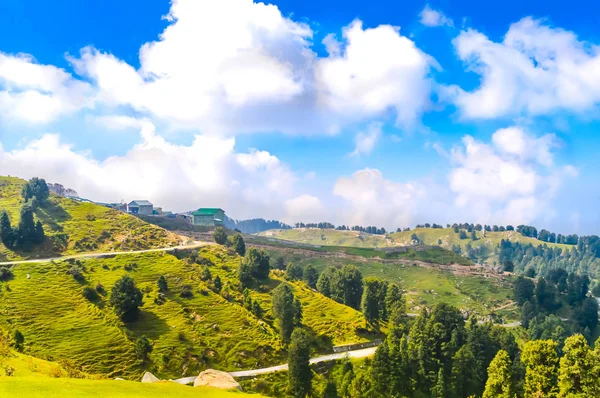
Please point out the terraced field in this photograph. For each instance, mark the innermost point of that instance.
(73, 227)
(189, 334)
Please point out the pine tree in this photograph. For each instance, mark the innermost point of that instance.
(6, 230)
(395, 305)
(500, 377)
(162, 284)
(439, 390)
(330, 390)
(284, 310)
(218, 284)
(541, 375)
(310, 275)
(299, 373)
(126, 298)
(39, 232)
(238, 245)
(527, 314)
(463, 363)
(576, 374)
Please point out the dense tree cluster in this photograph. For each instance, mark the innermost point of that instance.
(327, 225)
(427, 225)
(344, 285)
(582, 258)
(254, 265)
(382, 301)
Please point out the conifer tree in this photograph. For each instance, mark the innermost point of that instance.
(541, 374)
(299, 373)
(577, 376)
(500, 377)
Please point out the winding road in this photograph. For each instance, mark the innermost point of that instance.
(362, 353)
(103, 254)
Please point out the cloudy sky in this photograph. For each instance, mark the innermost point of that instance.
(384, 113)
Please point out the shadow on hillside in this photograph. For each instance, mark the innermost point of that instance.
(51, 214)
(149, 325)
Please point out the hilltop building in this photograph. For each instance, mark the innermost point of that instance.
(208, 217)
(142, 207)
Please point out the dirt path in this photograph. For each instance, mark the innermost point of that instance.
(362, 353)
(103, 254)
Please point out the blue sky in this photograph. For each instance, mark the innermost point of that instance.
(388, 113)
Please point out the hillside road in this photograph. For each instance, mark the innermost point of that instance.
(103, 254)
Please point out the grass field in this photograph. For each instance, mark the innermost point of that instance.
(189, 334)
(428, 236)
(73, 227)
(32, 387)
(424, 285)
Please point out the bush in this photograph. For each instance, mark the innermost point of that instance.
(126, 298)
(142, 348)
(5, 274)
(76, 273)
(162, 284)
(89, 293)
(186, 291)
(220, 236)
(100, 288)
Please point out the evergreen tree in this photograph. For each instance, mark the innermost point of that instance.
(238, 244)
(279, 263)
(6, 230)
(162, 284)
(26, 227)
(527, 314)
(218, 284)
(220, 236)
(39, 233)
(373, 300)
(439, 390)
(284, 310)
(578, 365)
(142, 348)
(330, 390)
(500, 377)
(324, 281)
(126, 298)
(541, 375)
(523, 290)
(257, 263)
(310, 275)
(395, 305)
(463, 363)
(299, 373)
(293, 272)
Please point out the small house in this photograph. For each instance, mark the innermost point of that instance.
(208, 217)
(142, 207)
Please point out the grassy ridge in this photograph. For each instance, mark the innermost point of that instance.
(188, 334)
(31, 387)
(424, 286)
(73, 227)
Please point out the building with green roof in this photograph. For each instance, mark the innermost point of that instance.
(208, 217)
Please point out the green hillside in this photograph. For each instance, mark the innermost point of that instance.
(425, 284)
(73, 227)
(427, 236)
(32, 387)
(213, 330)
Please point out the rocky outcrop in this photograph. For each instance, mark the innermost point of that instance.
(216, 379)
(149, 378)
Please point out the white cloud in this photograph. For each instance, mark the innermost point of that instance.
(37, 93)
(378, 70)
(209, 172)
(120, 122)
(511, 180)
(233, 66)
(305, 208)
(366, 140)
(431, 18)
(535, 70)
(370, 199)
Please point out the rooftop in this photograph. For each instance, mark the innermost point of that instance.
(206, 211)
(140, 203)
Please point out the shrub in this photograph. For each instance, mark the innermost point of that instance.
(89, 293)
(76, 273)
(126, 298)
(186, 291)
(100, 288)
(162, 284)
(220, 236)
(18, 340)
(142, 348)
(5, 273)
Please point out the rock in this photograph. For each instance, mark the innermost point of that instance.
(149, 378)
(216, 379)
(118, 378)
(28, 276)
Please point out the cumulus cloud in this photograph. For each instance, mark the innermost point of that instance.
(237, 66)
(370, 199)
(378, 70)
(305, 208)
(537, 69)
(431, 17)
(36, 93)
(209, 172)
(366, 140)
(511, 180)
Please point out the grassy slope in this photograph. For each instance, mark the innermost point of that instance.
(188, 334)
(428, 236)
(31, 387)
(425, 286)
(89, 227)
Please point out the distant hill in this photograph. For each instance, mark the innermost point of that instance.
(254, 225)
(189, 334)
(73, 227)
